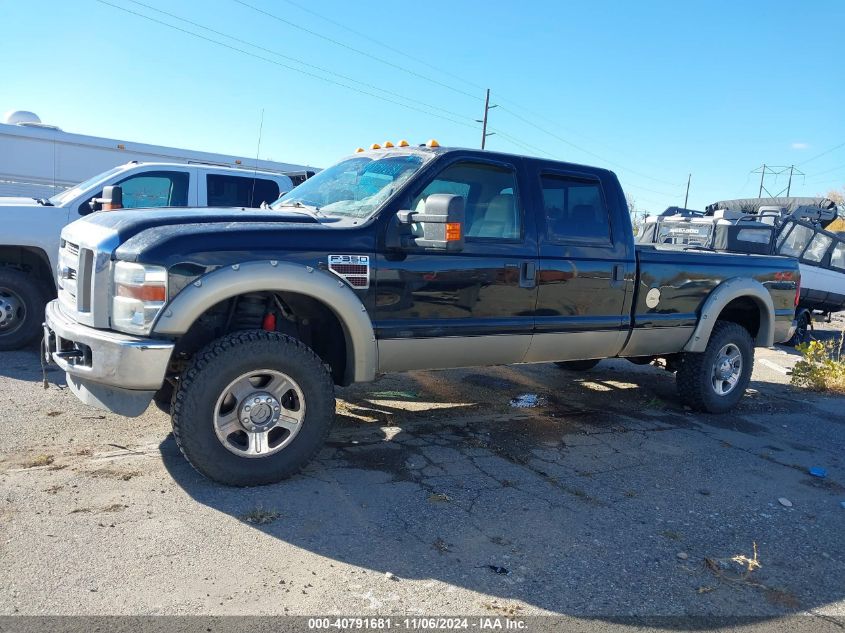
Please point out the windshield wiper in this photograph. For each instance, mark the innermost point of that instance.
(44, 202)
(313, 209)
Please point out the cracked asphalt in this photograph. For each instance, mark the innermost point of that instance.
(605, 500)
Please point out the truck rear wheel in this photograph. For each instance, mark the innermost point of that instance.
(22, 302)
(715, 379)
(253, 408)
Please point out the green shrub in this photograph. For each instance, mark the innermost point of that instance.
(821, 367)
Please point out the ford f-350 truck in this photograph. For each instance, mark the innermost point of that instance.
(394, 259)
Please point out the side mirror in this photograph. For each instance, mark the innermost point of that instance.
(440, 226)
(112, 199)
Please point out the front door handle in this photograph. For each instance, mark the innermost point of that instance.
(528, 275)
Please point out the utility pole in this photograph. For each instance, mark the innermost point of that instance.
(686, 197)
(776, 171)
(487, 108)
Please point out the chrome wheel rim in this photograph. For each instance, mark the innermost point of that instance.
(727, 368)
(259, 413)
(12, 311)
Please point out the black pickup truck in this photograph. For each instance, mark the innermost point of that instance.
(397, 258)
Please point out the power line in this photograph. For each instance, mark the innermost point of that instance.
(356, 50)
(539, 150)
(824, 153)
(827, 171)
(383, 44)
(427, 78)
(591, 153)
(428, 64)
(288, 67)
(452, 116)
(289, 58)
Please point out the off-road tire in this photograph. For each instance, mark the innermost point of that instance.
(31, 292)
(694, 375)
(578, 365)
(213, 368)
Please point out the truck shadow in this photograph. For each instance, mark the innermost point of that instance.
(580, 506)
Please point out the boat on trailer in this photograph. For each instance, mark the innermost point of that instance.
(792, 227)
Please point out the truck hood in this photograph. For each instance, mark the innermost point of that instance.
(126, 224)
(18, 202)
(167, 236)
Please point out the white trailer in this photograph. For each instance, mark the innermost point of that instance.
(39, 161)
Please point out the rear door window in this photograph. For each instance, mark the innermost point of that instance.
(574, 209)
(240, 191)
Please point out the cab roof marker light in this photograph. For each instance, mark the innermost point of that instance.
(359, 150)
(387, 144)
(375, 146)
(432, 143)
(402, 143)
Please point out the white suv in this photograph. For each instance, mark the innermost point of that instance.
(29, 240)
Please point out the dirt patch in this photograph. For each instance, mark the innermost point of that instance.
(113, 473)
(37, 461)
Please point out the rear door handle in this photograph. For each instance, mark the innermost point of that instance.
(528, 275)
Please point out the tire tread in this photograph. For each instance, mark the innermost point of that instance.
(693, 374)
(210, 355)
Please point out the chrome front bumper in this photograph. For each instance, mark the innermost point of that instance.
(106, 369)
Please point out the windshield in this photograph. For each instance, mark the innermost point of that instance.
(355, 187)
(68, 195)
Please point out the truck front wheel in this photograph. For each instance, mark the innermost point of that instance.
(715, 379)
(253, 408)
(22, 301)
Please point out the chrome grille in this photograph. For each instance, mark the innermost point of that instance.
(84, 272)
(75, 277)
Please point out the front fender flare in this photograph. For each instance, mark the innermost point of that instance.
(720, 297)
(267, 276)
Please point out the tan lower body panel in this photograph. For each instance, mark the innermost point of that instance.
(657, 341)
(575, 345)
(452, 351)
(478, 351)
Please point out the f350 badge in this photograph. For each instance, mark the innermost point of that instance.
(353, 269)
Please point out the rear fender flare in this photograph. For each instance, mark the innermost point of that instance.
(721, 296)
(267, 276)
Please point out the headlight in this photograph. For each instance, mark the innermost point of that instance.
(140, 292)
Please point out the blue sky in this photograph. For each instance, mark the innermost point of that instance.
(653, 90)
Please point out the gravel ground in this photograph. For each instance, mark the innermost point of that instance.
(601, 499)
